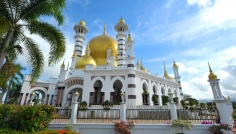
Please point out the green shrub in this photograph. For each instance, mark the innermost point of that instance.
(176, 100)
(154, 98)
(106, 103)
(26, 118)
(165, 99)
(83, 104)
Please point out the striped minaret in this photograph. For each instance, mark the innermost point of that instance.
(130, 93)
(121, 28)
(80, 30)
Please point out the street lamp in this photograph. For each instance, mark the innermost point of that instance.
(76, 96)
(32, 95)
(171, 96)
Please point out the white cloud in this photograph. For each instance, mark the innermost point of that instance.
(203, 3)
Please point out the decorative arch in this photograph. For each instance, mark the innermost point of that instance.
(66, 92)
(119, 78)
(98, 78)
(44, 90)
(155, 88)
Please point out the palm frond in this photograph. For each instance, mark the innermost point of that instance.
(53, 36)
(38, 8)
(34, 58)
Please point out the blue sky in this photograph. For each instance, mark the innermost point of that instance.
(192, 32)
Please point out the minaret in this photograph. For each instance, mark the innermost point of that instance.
(129, 46)
(221, 104)
(73, 60)
(121, 28)
(113, 59)
(177, 79)
(176, 72)
(138, 66)
(214, 82)
(109, 56)
(80, 30)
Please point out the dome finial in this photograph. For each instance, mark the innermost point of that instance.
(211, 76)
(129, 37)
(104, 32)
(87, 51)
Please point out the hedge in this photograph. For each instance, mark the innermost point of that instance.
(26, 118)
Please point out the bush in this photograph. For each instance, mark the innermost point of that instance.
(26, 118)
(83, 104)
(165, 99)
(106, 103)
(154, 98)
(176, 99)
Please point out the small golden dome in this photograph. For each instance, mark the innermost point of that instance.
(138, 64)
(129, 38)
(84, 60)
(211, 76)
(63, 65)
(82, 23)
(74, 54)
(175, 65)
(121, 20)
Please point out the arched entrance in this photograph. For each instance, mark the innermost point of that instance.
(115, 96)
(145, 94)
(97, 95)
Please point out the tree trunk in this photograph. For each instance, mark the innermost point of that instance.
(1, 96)
(4, 46)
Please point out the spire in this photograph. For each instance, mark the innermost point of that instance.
(74, 54)
(165, 72)
(138, 64)
(211, 76)
(87, 51)
(104, 32)
(63, 65)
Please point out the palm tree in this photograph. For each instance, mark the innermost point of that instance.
(20, 15)
(11, 78)
(15, 84)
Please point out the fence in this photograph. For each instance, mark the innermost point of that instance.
(199, 115)
(98, 114)
(148, 114)
(62, 116)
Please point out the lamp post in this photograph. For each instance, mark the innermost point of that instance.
(32, 96)
(171, 96)
(122, 94)
(76, 96)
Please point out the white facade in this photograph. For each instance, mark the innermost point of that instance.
(97, 82)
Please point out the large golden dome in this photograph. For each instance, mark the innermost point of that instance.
(83, 61)
(99, 45)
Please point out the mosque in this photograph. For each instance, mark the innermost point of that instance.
(107, 69)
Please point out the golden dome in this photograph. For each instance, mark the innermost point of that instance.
(138, 64)
(99, 45)
(121, 20)
(211, 76)
(84, 60)
(82, 23)
(175, 65)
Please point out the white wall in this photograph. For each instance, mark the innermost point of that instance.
(138, 129)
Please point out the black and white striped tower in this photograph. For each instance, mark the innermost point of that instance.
(121, 28)
(131, 72)
(80, 31)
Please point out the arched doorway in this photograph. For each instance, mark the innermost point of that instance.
(145, 94)
(38, 97)
(115, 96)
(97, 95)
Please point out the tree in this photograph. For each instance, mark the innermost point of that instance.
(20, 15)
(11, 79)
(15, 84)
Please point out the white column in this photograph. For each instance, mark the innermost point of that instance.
(122, 111)
(74, 108)
(172, 107)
